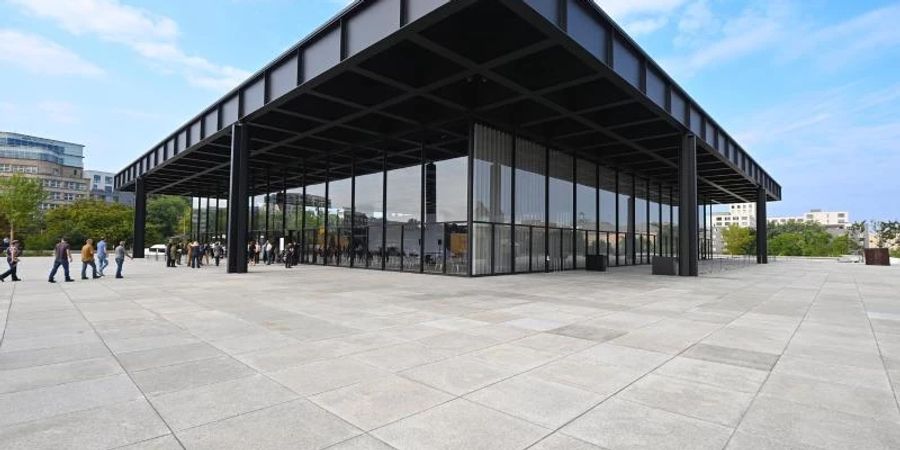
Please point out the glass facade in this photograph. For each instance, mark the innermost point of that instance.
(499, 204)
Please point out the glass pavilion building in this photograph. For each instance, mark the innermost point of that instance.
(463, 137)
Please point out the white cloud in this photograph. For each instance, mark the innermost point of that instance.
(58, 111)
(754, 29)
(836, 145)
(152, 36)
(639, 17)
(858, 37)
(42, 56)
(624, 9)
(708, 39)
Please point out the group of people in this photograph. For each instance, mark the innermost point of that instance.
(62, 256)
(198, 254)
(255, 249)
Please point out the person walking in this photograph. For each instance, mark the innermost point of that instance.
(270, 255)
(87, 259)
(12, 258)
(62, 256)
(120, 258)
(102, 259)
(195, 255)
(207, 249)
(217, 252)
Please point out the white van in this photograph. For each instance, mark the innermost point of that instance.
(156, 250)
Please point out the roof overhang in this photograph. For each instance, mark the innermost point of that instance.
(384, 76)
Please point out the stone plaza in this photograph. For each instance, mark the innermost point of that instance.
(795, 354)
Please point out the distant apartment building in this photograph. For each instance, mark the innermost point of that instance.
(102, 187)
(59, 165)
(831, 220)
(740, 214)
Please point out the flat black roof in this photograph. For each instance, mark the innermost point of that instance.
(386, 75)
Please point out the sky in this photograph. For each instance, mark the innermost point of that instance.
(811, 88)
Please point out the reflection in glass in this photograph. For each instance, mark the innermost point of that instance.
(340, 198)
(314, 233)
(369, 218)
(404, 206)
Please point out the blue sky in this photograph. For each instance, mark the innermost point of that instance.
(809, 87)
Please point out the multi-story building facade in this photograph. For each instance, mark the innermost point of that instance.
(740, 214)
(59, 165)
(832, 220)
(102, 187)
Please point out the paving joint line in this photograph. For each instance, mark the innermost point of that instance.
(777, 360)
(8, 311)
(119, 362)
(718, 298)
(884, 364)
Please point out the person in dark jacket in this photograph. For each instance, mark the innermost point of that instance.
(12, 258)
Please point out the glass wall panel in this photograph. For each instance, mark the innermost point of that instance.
(404, 206)
(523, 248)
(530, 183)
(675, 221)
(316, 208)
(581, 247)
(502, 248)
(586, 196)
(625, 224)
(607, 200)
(492, 176)
(561, 193)
(481, 247)
(562, 207)
(554, 249)
(538, 255)
(369, 220)
(457, 254)
(641, 226)
(655, 220)
(446, 207)
(340, 202)
(492, 197)
(530, 206)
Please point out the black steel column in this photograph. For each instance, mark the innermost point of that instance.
(512, 205)
(688, 232)
(206, 227)
(218, 203)
(423, 205)
(140, 218)
(547, 259)
(197, 236)
(284, 206)
(762, 227)
(268, 200)
(237, 199)
(470, 226)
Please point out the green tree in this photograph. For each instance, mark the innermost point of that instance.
(786, 244)
(20, 201)
(167, 216)
(843, 245)
(738, 240)
(887, 232)
(89, 219)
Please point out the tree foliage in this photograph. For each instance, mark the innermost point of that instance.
(739, 240)
(87, 219)
(800, 238)
(167, 216)
(20, 201)
(886, 233)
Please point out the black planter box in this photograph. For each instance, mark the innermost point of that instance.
(665, 265)
(596, 262)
